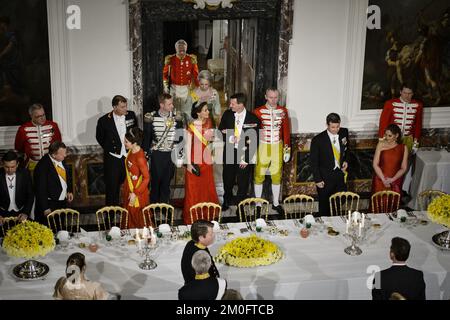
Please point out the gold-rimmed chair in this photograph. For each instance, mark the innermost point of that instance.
(158, 213)
(425, 198)
(249, 212)
(385, 201)
(206, 211)
(342, 202)
(64, 219)
(8, 223)
(112, 216)
(297, 206)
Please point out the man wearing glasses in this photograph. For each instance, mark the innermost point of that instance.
(34, 137)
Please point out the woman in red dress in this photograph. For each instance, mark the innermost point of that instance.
(390, 161)
(199, 188)
(135, 187)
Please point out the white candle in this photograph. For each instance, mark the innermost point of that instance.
(152, 239)
(349, 215)
(145, 233)
(362, 219)
(359, 232)
(347, 226)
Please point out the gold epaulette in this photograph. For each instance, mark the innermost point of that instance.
(167, 58)
(148, 117)
(193, 58)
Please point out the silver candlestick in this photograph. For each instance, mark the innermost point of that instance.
(148, 263)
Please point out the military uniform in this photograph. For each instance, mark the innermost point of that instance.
(160, 139)
(34, 141)
(178, 76)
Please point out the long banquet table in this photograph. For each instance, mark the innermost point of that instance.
(312, 268)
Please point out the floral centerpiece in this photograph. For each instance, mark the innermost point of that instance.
(439, 212)
(248, 252)
(29, 240)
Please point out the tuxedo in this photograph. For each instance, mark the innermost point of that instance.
(245, 151)
(48, 187)
(186, 262)
(24, 196)
(108, 137)
(323, 166)
(407, 281)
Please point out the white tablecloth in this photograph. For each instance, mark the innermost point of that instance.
(432, 172)
(312, 268)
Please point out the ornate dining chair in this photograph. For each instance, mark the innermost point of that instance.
(158, 213)
(425, 198)
(251, 209)
(112, 216)
(342, 202)
(64, 219)
(7, 224)
(207, 211)
(386, 201)
(297, 206)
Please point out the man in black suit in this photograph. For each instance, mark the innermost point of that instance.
(16, 189)
(399, 278)
(328, 160)
(240, 129)
(110, 134)
(52, 181)
(203, 287)
(202, 235)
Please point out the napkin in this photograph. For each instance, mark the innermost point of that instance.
(62, 235)
(115, 233)
(401, 213)
(164, 228)
(261, 223)
(216, 226)
(309, 218)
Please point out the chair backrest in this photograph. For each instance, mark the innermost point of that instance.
(112, 216)
(8, 223)
(425, 198)
(342, 202)
(64, 219)
(248, 209)
(386, 201)
(206, 211)
(297, 206)
(158, 213)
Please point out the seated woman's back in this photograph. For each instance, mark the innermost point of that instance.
(80, 290)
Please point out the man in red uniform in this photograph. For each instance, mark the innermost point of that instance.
(180, 71)
(407, 114)
(34, 137)
(274, 145)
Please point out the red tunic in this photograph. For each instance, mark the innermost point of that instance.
(34, 140)
(202, 188)
(408, 116)
(275, 126)
(182, 71)
(137, 166)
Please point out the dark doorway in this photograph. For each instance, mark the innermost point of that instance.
(262, 18)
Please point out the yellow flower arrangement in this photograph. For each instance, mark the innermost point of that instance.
(246, 252)
(439, 210)
(28, 239)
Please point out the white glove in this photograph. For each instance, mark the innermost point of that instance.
(286, 154)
